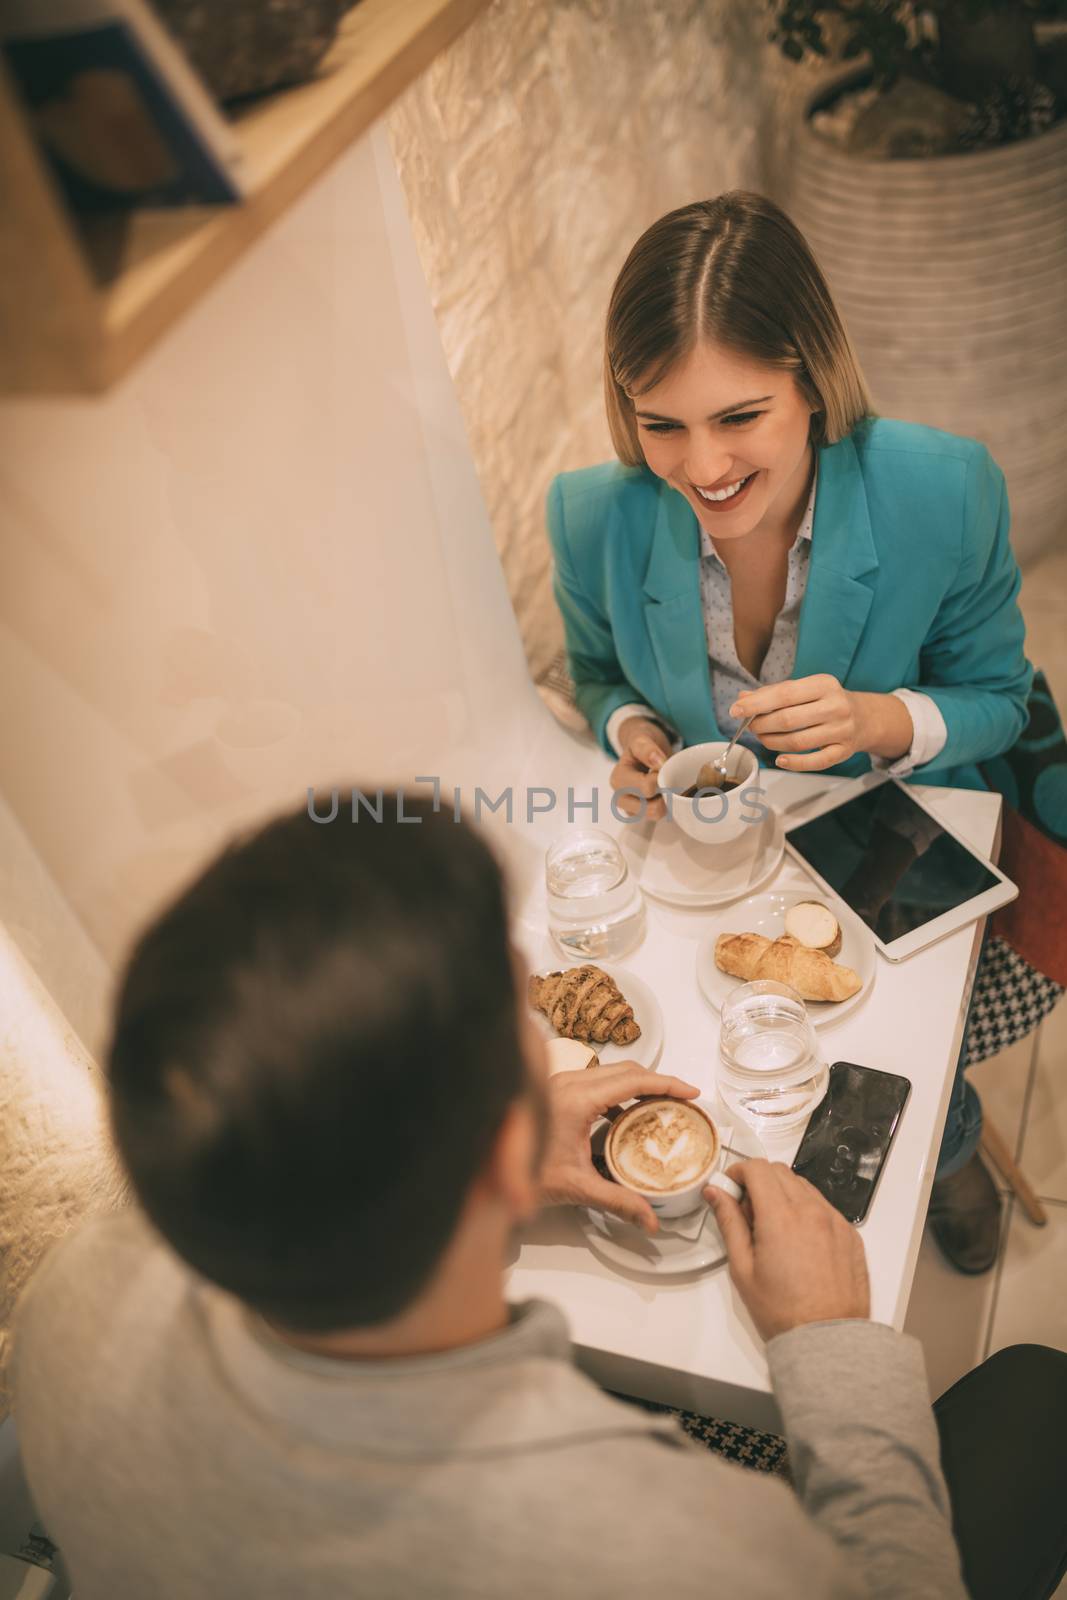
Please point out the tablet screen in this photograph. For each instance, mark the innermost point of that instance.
(891, 861)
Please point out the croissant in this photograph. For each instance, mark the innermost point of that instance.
(585, 1003)
(810, 972)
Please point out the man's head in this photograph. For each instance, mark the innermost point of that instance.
(314, 1051)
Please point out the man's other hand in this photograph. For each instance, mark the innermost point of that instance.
(793, 1258)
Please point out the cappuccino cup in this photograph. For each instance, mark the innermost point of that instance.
(667, 1151)
(716, 816)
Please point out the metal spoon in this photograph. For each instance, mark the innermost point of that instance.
(720, 761)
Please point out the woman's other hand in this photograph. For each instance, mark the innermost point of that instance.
(816, 723)
(644, 748)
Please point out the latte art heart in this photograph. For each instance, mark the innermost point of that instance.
(662, 1145)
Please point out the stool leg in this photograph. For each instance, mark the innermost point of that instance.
(997, 1151)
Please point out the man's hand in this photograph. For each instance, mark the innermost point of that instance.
(793, 1258)
(645, 747)
(816, 723)
(575, 1101)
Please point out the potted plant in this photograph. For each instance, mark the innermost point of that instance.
(930, 177)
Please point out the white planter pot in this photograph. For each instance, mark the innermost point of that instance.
(951, 274)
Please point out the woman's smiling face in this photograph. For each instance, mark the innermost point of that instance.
(731, 435)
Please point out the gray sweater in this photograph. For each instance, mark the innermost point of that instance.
(177, 1449)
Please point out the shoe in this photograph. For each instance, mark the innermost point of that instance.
(965, 1217)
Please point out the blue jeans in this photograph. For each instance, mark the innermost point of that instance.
(963, 1125)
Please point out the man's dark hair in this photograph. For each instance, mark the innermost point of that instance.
(313, 1049)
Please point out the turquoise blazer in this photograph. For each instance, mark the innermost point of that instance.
(911, 584)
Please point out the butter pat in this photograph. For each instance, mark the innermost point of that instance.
(570, 1055)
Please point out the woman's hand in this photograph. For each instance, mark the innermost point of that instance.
(645, 747)
(575, 1101)
(816, 723)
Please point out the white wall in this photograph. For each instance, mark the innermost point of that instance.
(262, 562)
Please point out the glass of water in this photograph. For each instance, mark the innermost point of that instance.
(769, 1065)
(595, 909)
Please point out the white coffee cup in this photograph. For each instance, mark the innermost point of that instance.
(714, 818)
(676, 1202)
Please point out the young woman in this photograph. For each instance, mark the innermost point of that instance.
(765, 546)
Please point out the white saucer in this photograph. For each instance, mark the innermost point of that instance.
(647, 1014)
(672, 867)
(690, 1244)
(765, 913)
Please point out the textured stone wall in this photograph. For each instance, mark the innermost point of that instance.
(532, 154)
(56, 1165)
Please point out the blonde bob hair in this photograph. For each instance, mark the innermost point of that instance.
(737, 271)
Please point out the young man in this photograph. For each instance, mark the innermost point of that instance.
(291, 1370)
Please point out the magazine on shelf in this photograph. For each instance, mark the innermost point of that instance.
(120, 114)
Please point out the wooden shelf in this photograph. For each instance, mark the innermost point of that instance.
(80, 304)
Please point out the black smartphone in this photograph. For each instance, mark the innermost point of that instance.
(847, 1139)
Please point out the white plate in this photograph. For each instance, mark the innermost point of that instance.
(765, 913)
(647, 1014)
(690, 1244)
(672, 867)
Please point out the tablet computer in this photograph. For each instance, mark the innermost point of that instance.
(907, 875)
